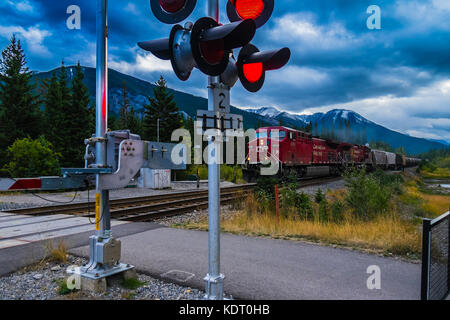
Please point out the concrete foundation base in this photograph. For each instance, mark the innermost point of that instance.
(99, 285)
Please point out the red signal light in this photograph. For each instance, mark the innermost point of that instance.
(172, 6)
(253, 71)
(259, 11)
(213, 51)
(253, 64)
(249, 9)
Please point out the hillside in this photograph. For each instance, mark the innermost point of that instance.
(189, 104)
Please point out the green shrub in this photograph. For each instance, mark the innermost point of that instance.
(32, 158)
(319, 196)
(366, 195)
(323, 211)
(227, 173)
(337, 209)
(292, 202)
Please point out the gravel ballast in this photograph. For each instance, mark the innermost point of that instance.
(42, 282)
(18, 200)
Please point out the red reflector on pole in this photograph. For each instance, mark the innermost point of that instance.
(253, 71)
(26, 184)
(249, 9)
(172, 6)
(277, 204)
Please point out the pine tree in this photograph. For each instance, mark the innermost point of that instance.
(128, 119)
(164, 108)
(20, 115)
(80, 120)
(124, 112)
(53, 117)
(59, 118)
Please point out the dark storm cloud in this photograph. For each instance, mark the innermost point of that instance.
(335, 58)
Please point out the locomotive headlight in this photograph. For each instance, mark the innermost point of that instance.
(261, 142)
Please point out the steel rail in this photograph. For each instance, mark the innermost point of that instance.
(121, 203)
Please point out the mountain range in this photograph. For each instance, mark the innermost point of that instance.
(139, 90)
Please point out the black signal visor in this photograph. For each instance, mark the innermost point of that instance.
(271, 60)
(159, 48)
(252, 65)
(212, 43)
(172, 11)
(234, 35)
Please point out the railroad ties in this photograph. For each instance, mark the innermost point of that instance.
(146, 208)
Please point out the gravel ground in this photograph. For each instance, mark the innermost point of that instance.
(197, 216)
(332, 185)
(42, 281)
(16, 200)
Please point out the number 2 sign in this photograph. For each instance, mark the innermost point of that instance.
(222, 100)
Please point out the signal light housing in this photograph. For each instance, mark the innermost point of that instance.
(172, 11)
(212, 43)
(253, 64)
(258, 10)
(205, 45)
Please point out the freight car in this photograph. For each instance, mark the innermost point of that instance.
(299, 153)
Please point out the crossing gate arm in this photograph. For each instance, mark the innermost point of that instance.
(43, 183)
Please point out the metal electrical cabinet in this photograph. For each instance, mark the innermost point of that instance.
(154, 178)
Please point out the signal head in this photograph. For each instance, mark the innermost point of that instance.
(258, 10)
(212, 43)
(172, 11)
(253, 64)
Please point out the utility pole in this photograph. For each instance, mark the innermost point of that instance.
(214, 279)
(157, 128)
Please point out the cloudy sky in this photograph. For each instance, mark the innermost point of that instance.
(397, 76)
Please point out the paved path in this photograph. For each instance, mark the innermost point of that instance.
(257, 268)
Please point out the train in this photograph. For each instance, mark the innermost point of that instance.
(304, 155)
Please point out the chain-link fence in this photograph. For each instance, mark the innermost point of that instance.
(435, 258)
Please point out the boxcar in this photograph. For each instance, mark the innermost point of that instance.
(390, 160)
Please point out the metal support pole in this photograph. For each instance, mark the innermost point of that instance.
(104, 250)
(157, 125)
(425, 281)
(214, 279)
(102, 112)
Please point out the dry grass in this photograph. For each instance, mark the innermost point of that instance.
(385, 234)
(435, 205)
(59, 253)
(439, 173)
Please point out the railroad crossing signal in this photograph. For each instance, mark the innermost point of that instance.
(258, 10)
(208, 46)
(252, 65)
(172, 11)
(205, 45)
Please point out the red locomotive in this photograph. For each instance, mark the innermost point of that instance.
(299, 153)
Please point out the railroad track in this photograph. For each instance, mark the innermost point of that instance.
(144, 208)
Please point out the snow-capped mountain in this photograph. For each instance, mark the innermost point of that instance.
(266, 111)
(333, 116)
